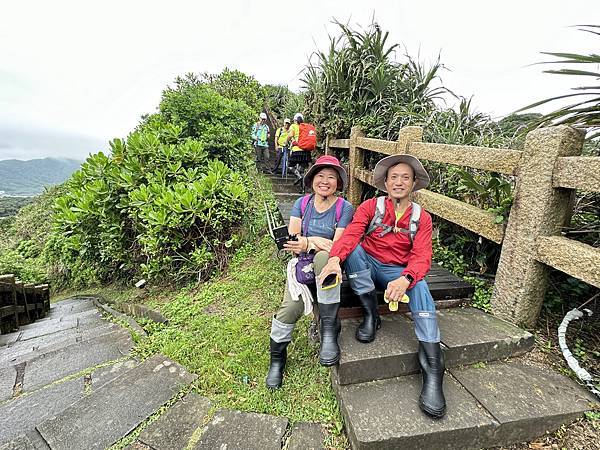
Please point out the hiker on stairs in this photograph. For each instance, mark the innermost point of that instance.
(281, 147)
(260, 136)
(316, 221)
(395, 255)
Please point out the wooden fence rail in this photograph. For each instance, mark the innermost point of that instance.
(548, 171)
(21, 303)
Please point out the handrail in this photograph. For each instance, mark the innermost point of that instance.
(547, 170)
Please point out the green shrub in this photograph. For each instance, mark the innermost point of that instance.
(236, 85)
(221, 125)
(30, 270)
(160, 206)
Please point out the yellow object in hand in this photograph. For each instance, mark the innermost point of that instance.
(393, 305)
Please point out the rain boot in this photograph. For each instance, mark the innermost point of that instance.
(371, 322)
(278, 358)
(432, 401)
(330, 327)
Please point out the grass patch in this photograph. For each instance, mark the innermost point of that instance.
(220, 331)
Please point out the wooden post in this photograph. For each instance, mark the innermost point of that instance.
(7, 290)
(357, 156)
(408, 135)
(538, 209)
(327, 137)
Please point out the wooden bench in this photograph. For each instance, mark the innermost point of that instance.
(45, 296)
(28, 315)
(34, 298)
(447, 290)
(28, 303)
(9, 316)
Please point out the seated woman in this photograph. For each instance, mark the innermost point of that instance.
(317, 220)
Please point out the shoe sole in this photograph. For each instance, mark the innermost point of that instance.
(365, 341)
(368, 340)
(329, 363)
(433, 413)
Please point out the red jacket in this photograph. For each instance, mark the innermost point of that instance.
(393, 248)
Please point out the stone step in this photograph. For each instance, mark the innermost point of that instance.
(71, 359)
(239, 430)
(284, 197)
(28, 350)
(22, 414)
(468, 336)
(285, 184)
(117, 407)
(8, 376)
(496, 405)
(174, 428)
(306, 436)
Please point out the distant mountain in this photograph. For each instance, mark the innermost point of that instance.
(29, 177)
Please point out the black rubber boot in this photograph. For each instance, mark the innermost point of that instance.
(330, 327)
(432, 400)
(278, 358)
(371, 322)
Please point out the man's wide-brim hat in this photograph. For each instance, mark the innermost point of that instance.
(382, 167)
(326, 161)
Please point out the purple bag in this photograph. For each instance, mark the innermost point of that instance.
(305, 273)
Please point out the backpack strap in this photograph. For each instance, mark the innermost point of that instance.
(414, 222)
(303, 204)
(305, 201)
(339, 205)
(377, 220)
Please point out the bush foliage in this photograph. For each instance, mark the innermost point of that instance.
(166, 203)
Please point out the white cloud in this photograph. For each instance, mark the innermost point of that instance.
(93, 68)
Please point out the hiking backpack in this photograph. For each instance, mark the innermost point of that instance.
(338, 208)
(377, 220)
(307, 137)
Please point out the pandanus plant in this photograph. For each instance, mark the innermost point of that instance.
(586, 111)
(357, 81)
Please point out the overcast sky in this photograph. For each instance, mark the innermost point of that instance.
(75, 74)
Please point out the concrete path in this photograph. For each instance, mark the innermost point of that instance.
(69, 382)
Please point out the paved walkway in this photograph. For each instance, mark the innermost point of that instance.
(68, 381)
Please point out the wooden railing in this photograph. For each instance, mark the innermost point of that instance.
(548, 171)
(21, 303)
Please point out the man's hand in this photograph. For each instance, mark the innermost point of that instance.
(396, 289)
(332, 266)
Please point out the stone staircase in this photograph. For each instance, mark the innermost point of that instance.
(69, 382)
(494, 397)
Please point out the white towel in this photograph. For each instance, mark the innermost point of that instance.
(298, 290)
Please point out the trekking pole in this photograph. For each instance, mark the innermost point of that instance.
(284, 162)
(269, 220)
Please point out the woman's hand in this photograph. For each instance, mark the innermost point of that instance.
(297, 246)
(321, 243)
(332, 266)
(396, 289)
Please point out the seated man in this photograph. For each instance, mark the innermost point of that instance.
(395, 256)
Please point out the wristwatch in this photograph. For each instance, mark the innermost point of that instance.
(409, 277)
